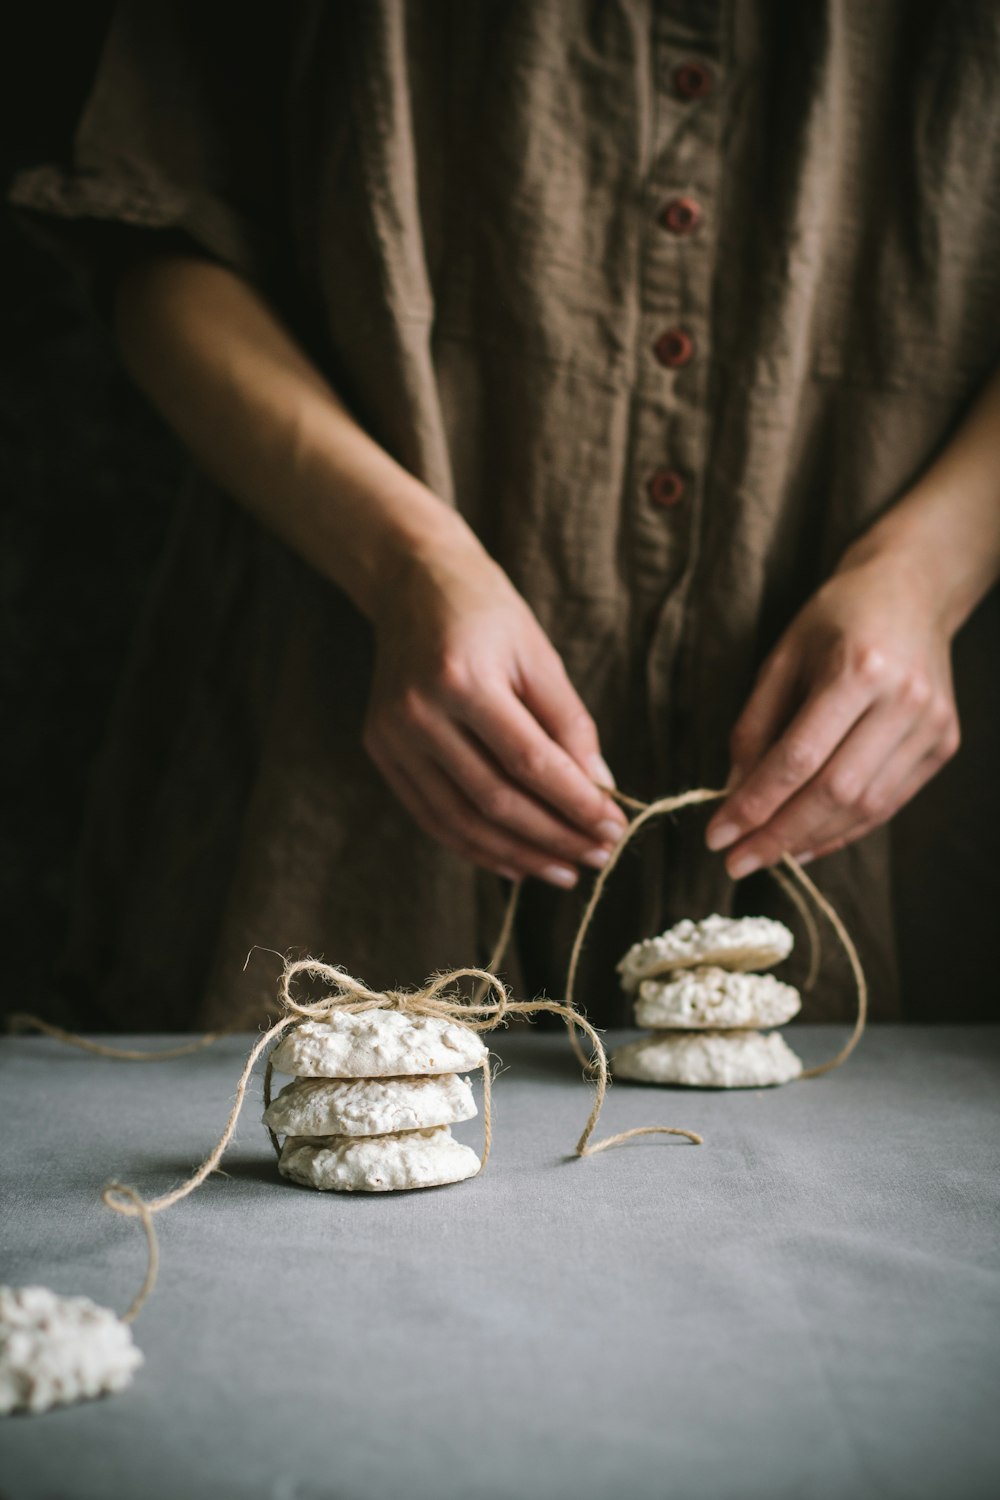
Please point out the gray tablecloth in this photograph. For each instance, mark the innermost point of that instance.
(808, 1306)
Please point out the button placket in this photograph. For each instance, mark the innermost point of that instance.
(670, 426)
(677, 272)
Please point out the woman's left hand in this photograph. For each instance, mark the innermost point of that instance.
(852, 712)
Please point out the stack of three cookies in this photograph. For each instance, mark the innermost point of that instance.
(373, 1101)
(695, 991)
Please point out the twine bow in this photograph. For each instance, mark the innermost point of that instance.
(439, 999)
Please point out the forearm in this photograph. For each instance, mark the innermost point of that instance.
(261, 420)
(947, 526)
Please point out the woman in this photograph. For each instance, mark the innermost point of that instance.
(597, 385)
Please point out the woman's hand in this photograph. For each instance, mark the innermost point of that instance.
(851, 714)
(475, 725)
(854, 711)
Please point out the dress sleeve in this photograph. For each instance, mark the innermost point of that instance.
(178, 144)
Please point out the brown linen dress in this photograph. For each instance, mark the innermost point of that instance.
(670, 300)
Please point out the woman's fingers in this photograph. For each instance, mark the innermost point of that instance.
(545, 689)
(479, 771)
(919, 775)
(535, 763)
(505, 805)
(489, 793)
(442, 811)
(837, 798)
(793, 760)
(881, 764)
(932, 744)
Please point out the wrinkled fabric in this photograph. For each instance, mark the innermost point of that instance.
(458, 209)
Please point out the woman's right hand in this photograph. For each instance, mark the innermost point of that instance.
(476, 727)
(472, 718)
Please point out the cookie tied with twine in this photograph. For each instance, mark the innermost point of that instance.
(789, 875)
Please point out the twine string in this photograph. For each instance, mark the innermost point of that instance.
(20, 1021)
(111, 1194)
(805, 912)
(129, 1205)
(487, 1112)
(846, 942)
(503, 938)
(647, 811)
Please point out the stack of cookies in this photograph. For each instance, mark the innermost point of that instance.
(373, 1100)
(695, 991)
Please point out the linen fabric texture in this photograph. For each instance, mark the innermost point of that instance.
(459, 210)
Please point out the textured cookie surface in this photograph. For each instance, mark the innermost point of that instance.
(377, 1044)
(54, 1350)
(369, 1106)
(728, 942)
(709, 1060)
(714, 998)
(378, 1163)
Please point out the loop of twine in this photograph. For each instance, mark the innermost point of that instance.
(645, 812)
(439, 998)
(110, 1195)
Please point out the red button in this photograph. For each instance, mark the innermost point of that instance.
(693, 80)
(681, 215)
(666, 487)
(674, 348)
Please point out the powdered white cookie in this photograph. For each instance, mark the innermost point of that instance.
(709, 1060)
(378, 1163)
(729, 942)
(715, 998)
(377, 1044)
(55, 1350)
(369, 1106)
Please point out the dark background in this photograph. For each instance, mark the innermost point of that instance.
(86, 476)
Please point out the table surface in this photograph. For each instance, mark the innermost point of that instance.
(806, 1306)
